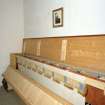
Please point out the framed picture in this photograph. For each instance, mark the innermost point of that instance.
(57, 17)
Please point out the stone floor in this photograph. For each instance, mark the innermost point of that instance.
(9, 98)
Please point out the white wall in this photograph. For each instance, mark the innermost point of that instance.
(80, 17)
(11, 30)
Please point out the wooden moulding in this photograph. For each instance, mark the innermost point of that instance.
(81, 51)
(30, 91)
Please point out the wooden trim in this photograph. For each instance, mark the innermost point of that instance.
(68, 36)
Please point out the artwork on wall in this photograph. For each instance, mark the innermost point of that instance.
(57, 17)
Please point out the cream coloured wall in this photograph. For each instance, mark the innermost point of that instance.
(11, 30)
(81, 17)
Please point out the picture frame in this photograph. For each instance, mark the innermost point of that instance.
(57, 15)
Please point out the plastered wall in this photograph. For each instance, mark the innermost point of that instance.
(11, 30)
(81, 17)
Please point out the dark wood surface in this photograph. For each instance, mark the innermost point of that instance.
(95, 96)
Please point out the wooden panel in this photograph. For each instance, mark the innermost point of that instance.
(30, 46)
(84, 51)
(26, 47)
(51, 48)
(88, 52)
